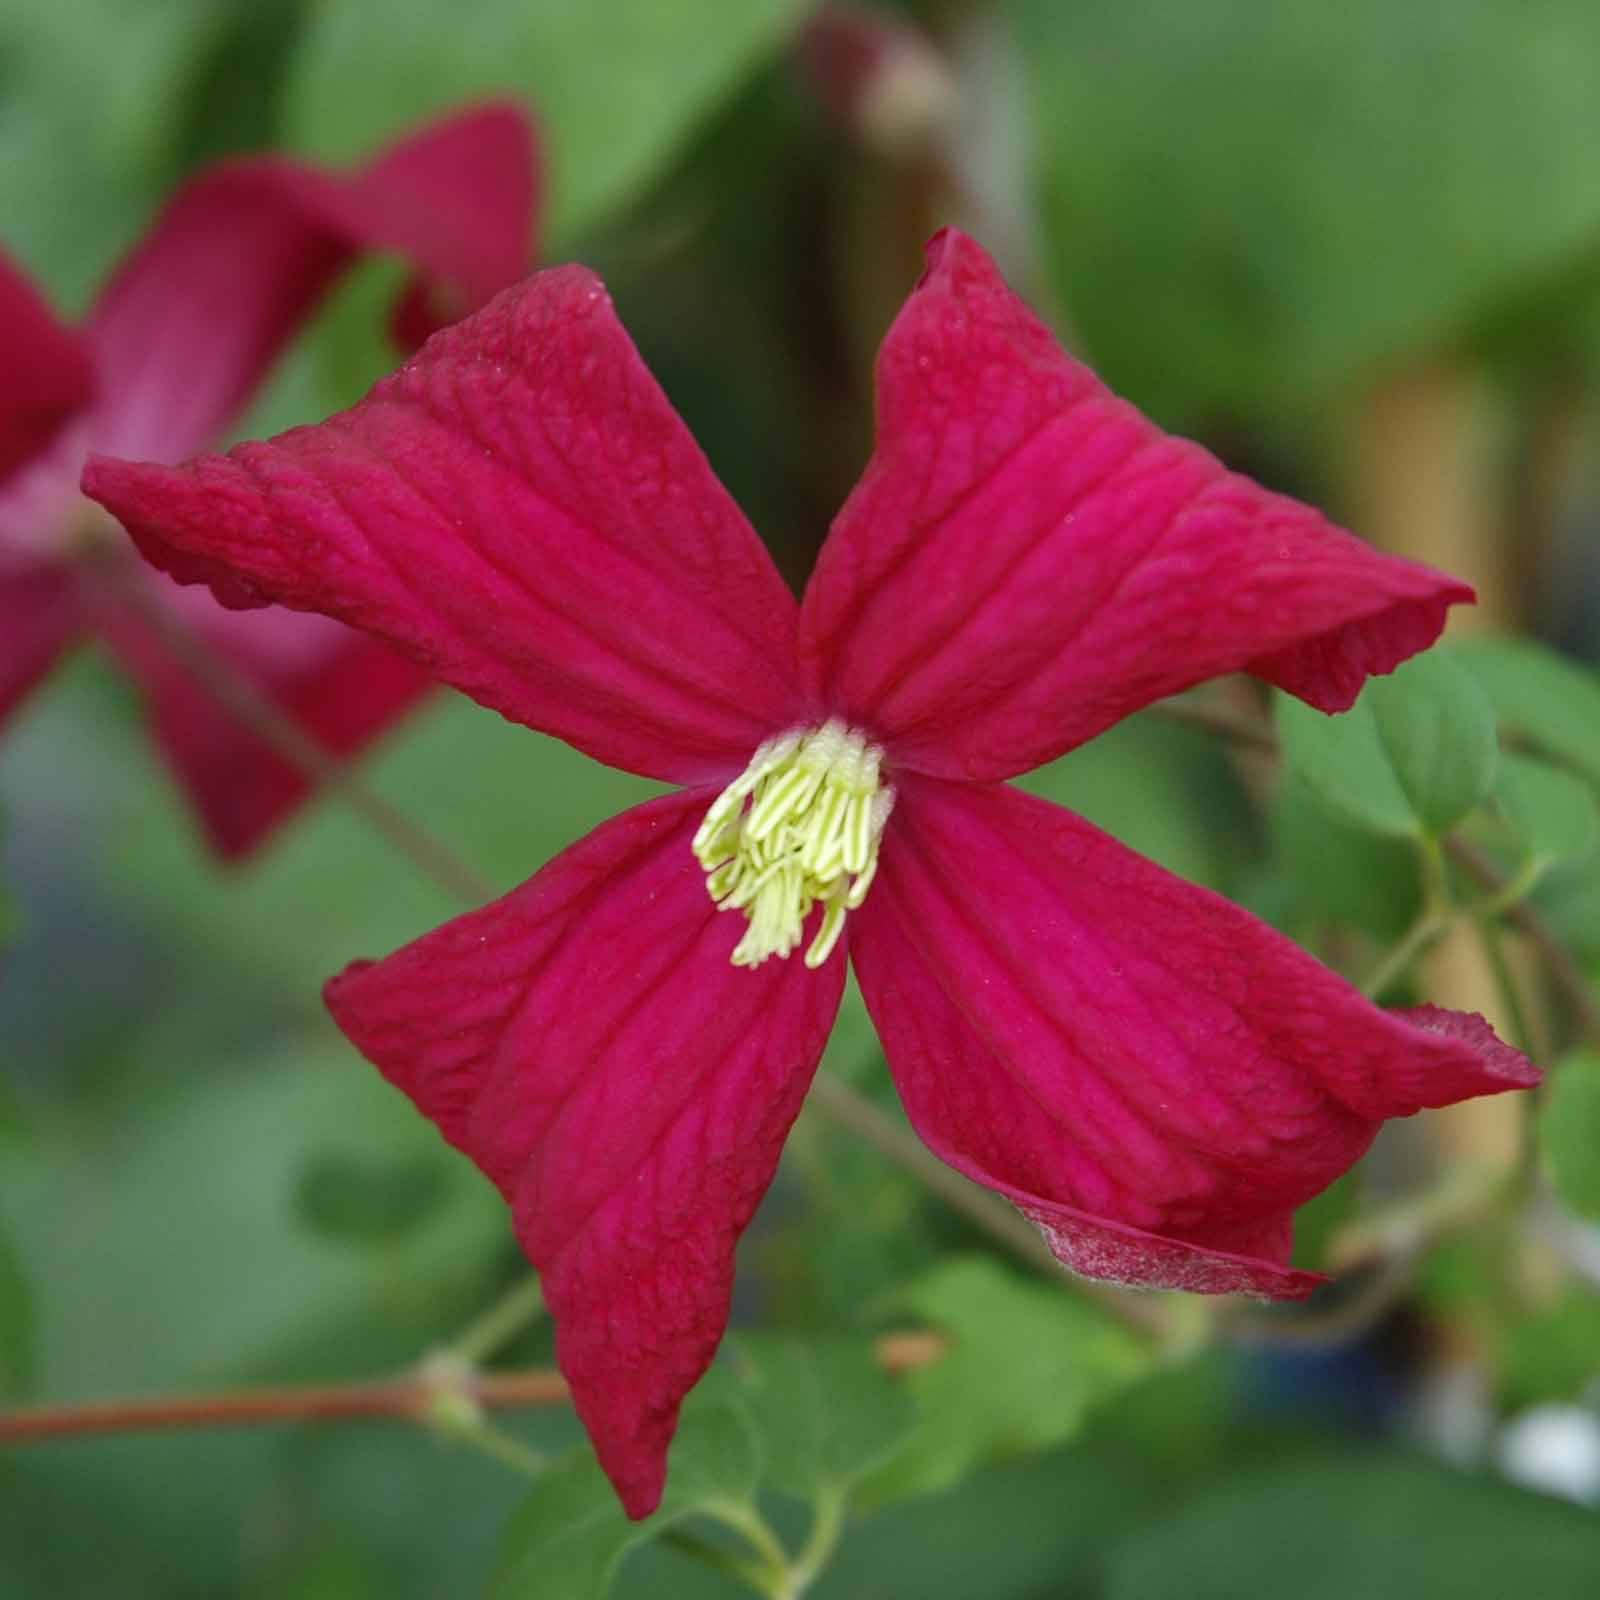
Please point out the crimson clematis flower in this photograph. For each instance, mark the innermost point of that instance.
(1151, 1075)
(182, 334)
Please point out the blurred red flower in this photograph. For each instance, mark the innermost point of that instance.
(176, 344)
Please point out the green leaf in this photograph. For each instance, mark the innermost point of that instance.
(1412, 757)
(824, 1409)
(1553, 814)
(1350, 181)
(1341, 761)
(1548, 699)
(618, 86)
(16, 1323)
(1437, 731)
(1378, 1526)
(571, 1535)
(1027, 1362)
(1569, 1132)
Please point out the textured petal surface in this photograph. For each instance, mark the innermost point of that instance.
(45, 372)
(39, 613)
(587, 1042)
(519, 509)
(339, 687)
(1147, 1071)
(190, 322)
(1027, 559)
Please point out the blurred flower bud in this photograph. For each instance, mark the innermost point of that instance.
(882, 82)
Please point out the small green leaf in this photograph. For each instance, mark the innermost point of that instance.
(1027, 1362)
(824, 1409)
(1342, 762)
(1569, 1133)
(1412, 757)
(1437, 729)
(1553, 814)
(16, 1324)
(571, 1535)
(1541, 695)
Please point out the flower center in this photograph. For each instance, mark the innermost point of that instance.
(800, 824)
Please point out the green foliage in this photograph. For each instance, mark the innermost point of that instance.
(571, 1536)
(1413, 756)
(1549, 700)
(74, 187)
(1569, 1132)
(1438, 734)
(1027, 1362)
(617, 85)
(194, 1240)
(1553, 814)
(806, 1417)
(1246, 205)
(823, 1407)
(1379, 1526)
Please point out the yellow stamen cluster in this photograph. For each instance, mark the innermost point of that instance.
(800, 824)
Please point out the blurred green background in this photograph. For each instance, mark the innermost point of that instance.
(1355, 249)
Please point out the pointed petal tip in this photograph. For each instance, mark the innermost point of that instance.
(1504, 1067)
(945, 248)
(133, 492)
(641, 1497)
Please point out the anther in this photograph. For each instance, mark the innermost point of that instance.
(800, 825)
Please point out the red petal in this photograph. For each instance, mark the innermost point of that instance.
(521, 511)
(190, 322)
(39, 613)
(43, 365)
(1028, 559)
(1151, 1074)
(339, 687)
(587, 1042)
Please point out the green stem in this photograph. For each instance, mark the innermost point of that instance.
(1511, 893)
(488, 1333)
(1425, 931)
(1494, 949)
(770, 1574)
(1433, 922)
(484, 1437)
(756, 1574)
(827, 1527)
